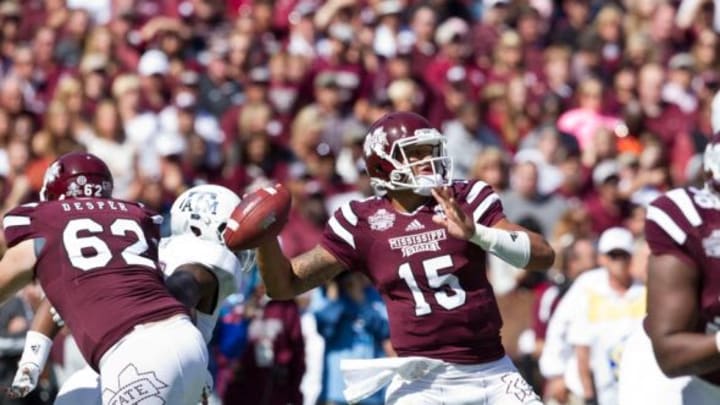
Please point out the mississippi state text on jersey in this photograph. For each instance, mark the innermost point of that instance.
(97, 263)
(685, 223)
(440, 303)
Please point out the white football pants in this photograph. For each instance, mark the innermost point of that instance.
(163, 362)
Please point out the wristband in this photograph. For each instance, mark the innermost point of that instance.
(37, 349)
(510, 246)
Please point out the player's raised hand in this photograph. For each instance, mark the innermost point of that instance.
(458, 224)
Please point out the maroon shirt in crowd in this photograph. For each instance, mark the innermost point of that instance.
(273, 364)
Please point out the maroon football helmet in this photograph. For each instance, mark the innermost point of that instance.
(76, 174)
(386, 159)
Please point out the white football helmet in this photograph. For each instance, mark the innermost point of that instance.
(204, 211)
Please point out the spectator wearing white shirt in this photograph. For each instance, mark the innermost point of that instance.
(608, 306)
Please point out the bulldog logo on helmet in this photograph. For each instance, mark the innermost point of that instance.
(376, 142)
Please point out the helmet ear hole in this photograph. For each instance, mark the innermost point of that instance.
(195, 230)
(221, 228)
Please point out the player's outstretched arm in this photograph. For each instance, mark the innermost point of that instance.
(673, 315)
(38, 343)
(285, 279)
(16, 268)
(511, 242)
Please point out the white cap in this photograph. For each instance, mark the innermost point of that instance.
(605, 170)
(452, 27)
(153, 62)
(616, 239)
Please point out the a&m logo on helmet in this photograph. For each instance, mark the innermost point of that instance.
(200, 201)
(376, 142)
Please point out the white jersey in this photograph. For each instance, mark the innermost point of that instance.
(176, 251)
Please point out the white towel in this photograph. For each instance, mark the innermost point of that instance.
(364, 377)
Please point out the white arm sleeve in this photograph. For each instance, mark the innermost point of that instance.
(511, 246)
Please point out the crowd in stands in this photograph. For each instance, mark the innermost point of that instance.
(577, 112)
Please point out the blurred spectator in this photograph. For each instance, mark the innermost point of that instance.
(422, 24)
(107, 140)
(217, 92)
(491, 166)
(272, 365)
(608, 304)
(573, 260)
(606, 207)
(666, 121)
(524, 200)
(585, 121)
(307, 215)
(677, 89)
(353, 322)
(466, 137)
(569, 28)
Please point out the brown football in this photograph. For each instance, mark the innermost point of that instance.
(260, 215)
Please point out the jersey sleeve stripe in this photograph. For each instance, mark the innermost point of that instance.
(667, 224)
(348, 213)
(15, 220)
(484, 205)
(30, 205)
(475, 191)
(681, 198)
(341, 232)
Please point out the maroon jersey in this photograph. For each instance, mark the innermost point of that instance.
(97, 263)
(685, 223)
(440, 303)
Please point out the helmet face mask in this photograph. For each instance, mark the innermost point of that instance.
(388, 155)
(203, 211)
(74, 175)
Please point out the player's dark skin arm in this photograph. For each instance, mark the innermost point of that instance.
(285, 279)
(195, 286)
(673, 297)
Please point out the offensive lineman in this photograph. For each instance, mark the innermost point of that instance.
(200, 271)
(96, 260)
